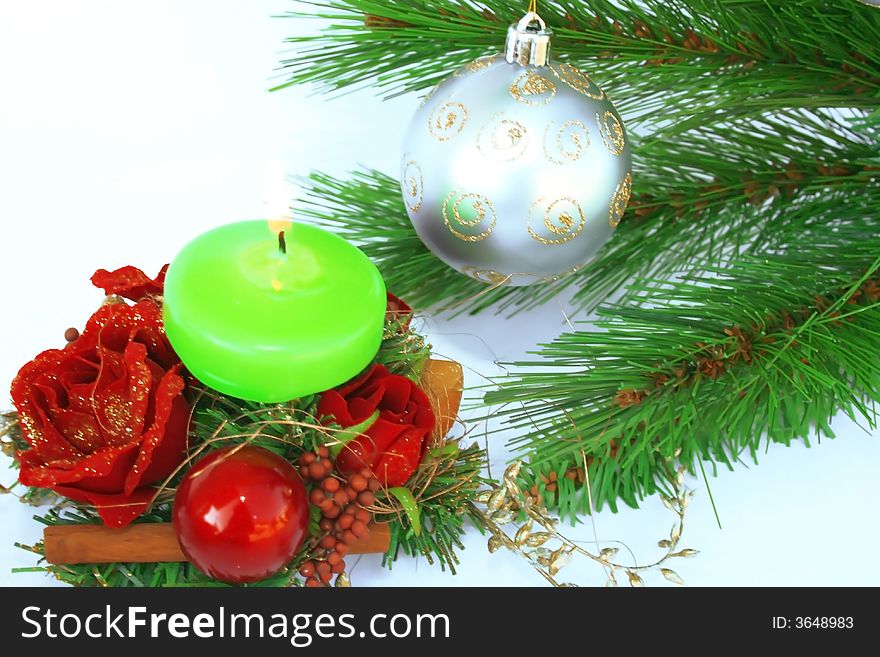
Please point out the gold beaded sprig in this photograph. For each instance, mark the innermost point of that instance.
(533, 533)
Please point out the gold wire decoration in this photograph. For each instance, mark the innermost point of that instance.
(532, 89)
(485, 275)
(456, 208)
(619, 201)
(447, 120)
(563, 217)
(567, 143)
(612, 133)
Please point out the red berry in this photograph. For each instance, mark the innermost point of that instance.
(349, 537)
(324, 570)
(241, 514)
(332, 512)
(362, 515)
(374, 484)
(307, 458)
(345, 522)
(316, 471)
(325, 525)
(331, 485)
(307, 569)
(358, 482)
(341, 549)
(333, 558)
(323, 452)
(313, 582)
(328, 542)
(359, 528)
(338, 567)
(316, 496)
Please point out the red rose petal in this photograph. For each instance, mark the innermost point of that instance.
(36, 425)
(79, 429)
(334, 406)
(163, 446)
(129, 282)
(374, 373)
(397, 309)
(400, 461)
(110, 463)
(115, 510)
(397, 394)
(365, 451)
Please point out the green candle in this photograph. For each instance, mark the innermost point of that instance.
(268, 318)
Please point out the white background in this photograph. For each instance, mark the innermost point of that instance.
(127, 128)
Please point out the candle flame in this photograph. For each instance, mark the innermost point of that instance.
(277, 194)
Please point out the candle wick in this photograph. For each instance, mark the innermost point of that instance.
(282, 245)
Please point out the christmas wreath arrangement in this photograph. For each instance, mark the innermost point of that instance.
(157, 479)
(153, 478)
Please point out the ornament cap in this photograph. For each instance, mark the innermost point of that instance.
(528, 42)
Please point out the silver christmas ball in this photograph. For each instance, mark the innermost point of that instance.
(515, 169)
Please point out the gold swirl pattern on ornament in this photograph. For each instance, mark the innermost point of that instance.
(477, 65)
(532, 89)
(502, 139)
(578, 80)
(462, 212)
(612, 133)
(413, 185)
(562, 217)
(566, 144)
(619, 201)
(447, 120)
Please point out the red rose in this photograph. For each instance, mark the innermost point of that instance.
(105, 417)
(395, 443)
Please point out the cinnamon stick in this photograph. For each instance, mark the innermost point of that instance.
(156, 542)
(148, 542)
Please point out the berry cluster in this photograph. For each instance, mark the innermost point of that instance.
(344, 517)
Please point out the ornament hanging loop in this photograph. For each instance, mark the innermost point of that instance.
(528, 42)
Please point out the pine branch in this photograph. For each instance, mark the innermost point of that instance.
(446, 486)
(706, 369)
(739, 57)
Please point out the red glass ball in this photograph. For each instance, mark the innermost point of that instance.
(241, 514)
